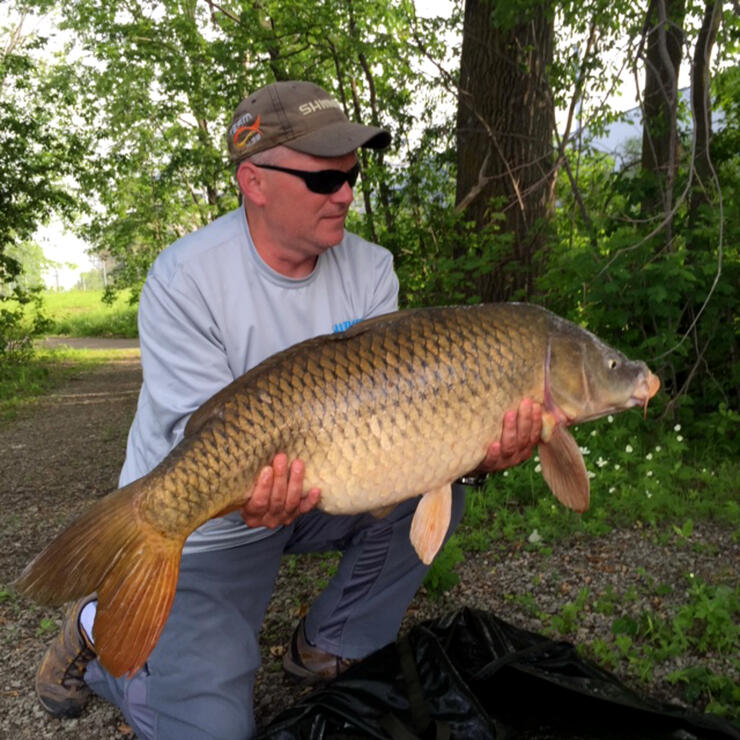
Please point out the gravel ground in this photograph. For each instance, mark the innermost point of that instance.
(67, 448)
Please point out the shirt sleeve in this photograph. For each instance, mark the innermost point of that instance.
(184, 362)
(385, 292)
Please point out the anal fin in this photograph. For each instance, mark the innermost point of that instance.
(431, 522)
(563, 469)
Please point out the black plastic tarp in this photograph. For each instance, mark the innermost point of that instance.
(473, 676)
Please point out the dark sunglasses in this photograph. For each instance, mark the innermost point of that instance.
(323, 181)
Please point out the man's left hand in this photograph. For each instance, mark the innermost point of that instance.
(520, 432)
(278, 496)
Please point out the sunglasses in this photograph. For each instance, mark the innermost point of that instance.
(323, 181)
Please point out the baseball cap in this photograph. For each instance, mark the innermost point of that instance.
(300, 116)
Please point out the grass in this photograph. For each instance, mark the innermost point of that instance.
(45, 370)
(78, 313)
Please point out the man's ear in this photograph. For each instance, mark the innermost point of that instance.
(251, 182)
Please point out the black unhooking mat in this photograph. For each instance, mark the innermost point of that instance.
(472, 676)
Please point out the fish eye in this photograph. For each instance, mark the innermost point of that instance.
(613, 363)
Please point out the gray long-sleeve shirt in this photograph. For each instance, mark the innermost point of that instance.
(211, 309)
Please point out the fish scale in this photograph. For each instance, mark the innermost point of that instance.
(393, 407)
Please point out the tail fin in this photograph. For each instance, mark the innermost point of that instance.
(133, 569)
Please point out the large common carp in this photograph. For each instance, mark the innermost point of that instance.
(394, 406)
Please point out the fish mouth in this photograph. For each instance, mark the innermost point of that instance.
(647, 386)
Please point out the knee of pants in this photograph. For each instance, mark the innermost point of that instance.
(205, 716)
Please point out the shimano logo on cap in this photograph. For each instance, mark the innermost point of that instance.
(318, 104)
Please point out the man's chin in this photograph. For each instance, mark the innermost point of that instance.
(333, 236)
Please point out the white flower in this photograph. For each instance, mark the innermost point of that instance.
(679, 438)
(538, 468)
(610, 418)
(584, 450)
(617, 466)
(590, 474)
(677, 428)
(649, 456)
(612, 489)
(628, 449)
(506, 473)
(649, 474)
(658, 448)
(648, 494)
(601, 462)
(536, 458)
(593, 433)
(535, 537)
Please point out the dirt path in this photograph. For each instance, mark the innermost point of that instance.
(66, 449)
(63, 451)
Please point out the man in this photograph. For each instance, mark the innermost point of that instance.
(276, 271)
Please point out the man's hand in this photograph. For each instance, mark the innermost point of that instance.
(278, 496)
(520, 432)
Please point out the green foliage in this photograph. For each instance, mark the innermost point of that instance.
(87, 314)
(78, 313)
(37, 151)
(441, 575)
(46, 627)
(157, 83)
(90, 280)
(31, 261)
(672, 303)
(719, 694)
(566, 621)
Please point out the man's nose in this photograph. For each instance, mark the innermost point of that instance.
(344, 194)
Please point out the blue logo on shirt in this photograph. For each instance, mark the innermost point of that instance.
(341, 326)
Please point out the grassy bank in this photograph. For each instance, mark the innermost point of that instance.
(77, 313)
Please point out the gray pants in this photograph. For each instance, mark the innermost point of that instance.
(199, 678)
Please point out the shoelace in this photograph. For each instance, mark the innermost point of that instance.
(73, 675)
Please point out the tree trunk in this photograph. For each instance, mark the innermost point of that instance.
(505, 125)
(663, 32)
(701, 107)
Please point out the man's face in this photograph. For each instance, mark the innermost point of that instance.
(299, 220)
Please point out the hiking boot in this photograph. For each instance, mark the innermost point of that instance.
(60, 686)
(307, 664)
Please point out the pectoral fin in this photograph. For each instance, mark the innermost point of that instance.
(431, 522)
(563, 469)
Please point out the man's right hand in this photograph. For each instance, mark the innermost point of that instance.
(278, 496)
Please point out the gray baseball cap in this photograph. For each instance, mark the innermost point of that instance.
(300, 116)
